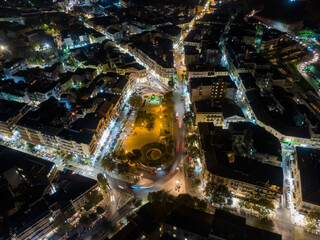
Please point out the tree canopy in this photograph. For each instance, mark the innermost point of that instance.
(30, 146)
(180, 200)
(134, 156)
(107, 163)
(218, 193)
(102, 181)
(188, 119)
(123, 168)
(196, 183)
(160, 196)
(100, 210)
(262, 206)
(135, 100)
(194, 152)
(168, 100)
(94, 197)
(171, 82)
(85, 221)
(313, 220)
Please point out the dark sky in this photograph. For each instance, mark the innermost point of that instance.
(311, 11)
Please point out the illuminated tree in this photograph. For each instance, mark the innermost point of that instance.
(188, 119)
(219, 194)
(196, 183)
(30, 146)
(102, 181)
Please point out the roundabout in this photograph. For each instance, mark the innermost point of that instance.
(155, 155)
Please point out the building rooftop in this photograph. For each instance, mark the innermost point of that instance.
(309, 165)
(190, 50)
(171, 30)
(226, 106)
(78, 136)
(228, 226)
(24, 179)
(9, 109)
(232, 227)
(36, 168)
(74, 185)
(221, 161)
(248, 80)
(263, 114)
(208, 81)
(13, 62)
(160, 51)
(89, 122)
(263, 141)
(49, 117)
(244, 169)
(191, 220)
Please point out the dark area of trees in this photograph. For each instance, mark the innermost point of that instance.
(135, 100)
(182, 199)
(108, 164)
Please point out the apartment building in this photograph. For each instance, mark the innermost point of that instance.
(10, 113)
(162, 70)
(188, 223)
(260, 111)
(220, 112)
(200, 71)
(208, 87)
(55, 193)
(305, 174)
(46, 126)
(245, 177)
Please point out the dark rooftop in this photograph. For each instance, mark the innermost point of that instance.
(226, 106)
(9, 109)
(171, 30)
(238, 168)
(248, 80)
(263, 141)
(50, 117)
(76, 135)
(208, 81)
(228, 226)
(309, 166)
(191, 220)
